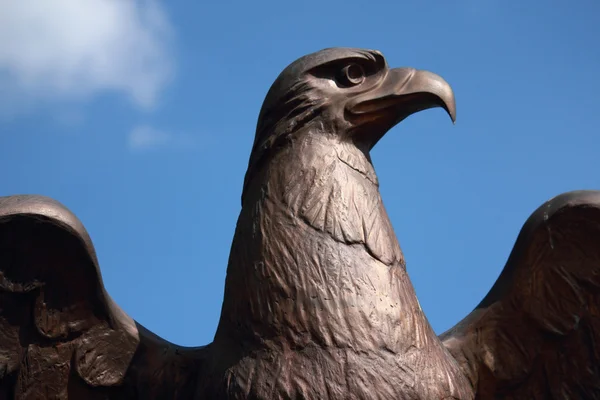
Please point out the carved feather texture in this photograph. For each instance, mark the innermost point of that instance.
(537, 334)
(323, 289)
(61, 337)
(333, 187)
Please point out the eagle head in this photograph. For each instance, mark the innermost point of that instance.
(351, 92)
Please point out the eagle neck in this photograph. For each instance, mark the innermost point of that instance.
(315, 261)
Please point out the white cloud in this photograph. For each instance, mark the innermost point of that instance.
(72, 49)
(144, 137)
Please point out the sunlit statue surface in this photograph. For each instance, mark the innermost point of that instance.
(318, 304)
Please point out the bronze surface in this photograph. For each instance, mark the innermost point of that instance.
(318, 304)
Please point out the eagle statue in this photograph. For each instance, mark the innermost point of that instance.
(318, 304)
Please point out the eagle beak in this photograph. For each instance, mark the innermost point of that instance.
(401, 93)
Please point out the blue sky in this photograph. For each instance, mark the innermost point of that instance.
(139, 116)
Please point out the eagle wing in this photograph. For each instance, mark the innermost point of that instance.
(61, 335)
(536, 335)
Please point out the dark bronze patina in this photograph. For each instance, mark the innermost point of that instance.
(318, 304)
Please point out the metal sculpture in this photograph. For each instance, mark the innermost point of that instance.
(318, 304)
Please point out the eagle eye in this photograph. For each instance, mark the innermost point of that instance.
(351, 75)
